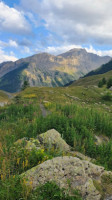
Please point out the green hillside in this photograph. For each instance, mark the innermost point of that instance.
(92, 80)
(3, 96)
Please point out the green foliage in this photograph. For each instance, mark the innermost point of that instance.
(25, 159)
(25, 85)
(102, 82)
(107, 97)
(109, 83)
(77, 126)
(50, 191)
(11, 188)
(17, 99)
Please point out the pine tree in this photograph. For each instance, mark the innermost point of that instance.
(25, 85)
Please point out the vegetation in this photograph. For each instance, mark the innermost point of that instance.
(3, 96)
(93, 79)
(78, 124)
(102, 82)
(50, 191)
(107, 97)
(109, 83)
(25, 85)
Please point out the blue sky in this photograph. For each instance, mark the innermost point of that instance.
(28, 27)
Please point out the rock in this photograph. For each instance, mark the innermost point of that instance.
(68, 172)
(28, 144)
(52, 139)
(110, 88)
(80, 155)
(2, 104)
(73, 171)
(93, 171)
(101, 139)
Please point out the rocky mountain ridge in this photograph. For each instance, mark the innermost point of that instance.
(47, 70)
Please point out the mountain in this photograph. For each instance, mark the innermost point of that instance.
(101, 70)
(93, 77)
(47, 70)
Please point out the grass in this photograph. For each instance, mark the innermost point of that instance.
(3, 96)
(92, 80)
(75, 112)
(90, 96)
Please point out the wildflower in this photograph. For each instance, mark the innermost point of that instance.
(26, 163)
(18, 160)
(25, 105)
(2, 177)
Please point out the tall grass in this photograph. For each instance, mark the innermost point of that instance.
(77, 126)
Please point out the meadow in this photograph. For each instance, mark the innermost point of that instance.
(76, 114)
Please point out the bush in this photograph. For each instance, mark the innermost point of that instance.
(50, 191)
(102, 82)
(109, 83)
(107, 97)
(25, 85)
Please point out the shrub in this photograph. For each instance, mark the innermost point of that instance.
(102, 82)
(50, 191)
(25, 85)
(107, 97)
(109, 83)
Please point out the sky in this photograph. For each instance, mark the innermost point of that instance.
(28, 27)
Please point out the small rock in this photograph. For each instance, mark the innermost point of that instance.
(52, 139)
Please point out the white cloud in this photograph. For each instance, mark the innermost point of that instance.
(99, 52)
(62, 49)
(13, 43)
(77, 21)
(10, 43)
(4, 57)
(26, 50)
(12, 20)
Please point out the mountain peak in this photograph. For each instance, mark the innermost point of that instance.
(77, 50)
(74, 52)
(44, 69)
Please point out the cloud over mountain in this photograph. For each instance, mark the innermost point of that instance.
(77, 21)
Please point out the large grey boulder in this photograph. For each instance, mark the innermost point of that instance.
(67, 172)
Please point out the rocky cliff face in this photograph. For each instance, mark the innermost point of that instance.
(47, 70)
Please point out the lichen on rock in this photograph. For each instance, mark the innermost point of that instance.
(52, 139)
(63, 170)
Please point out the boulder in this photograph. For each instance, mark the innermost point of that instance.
(69, 173)
(52, 139)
